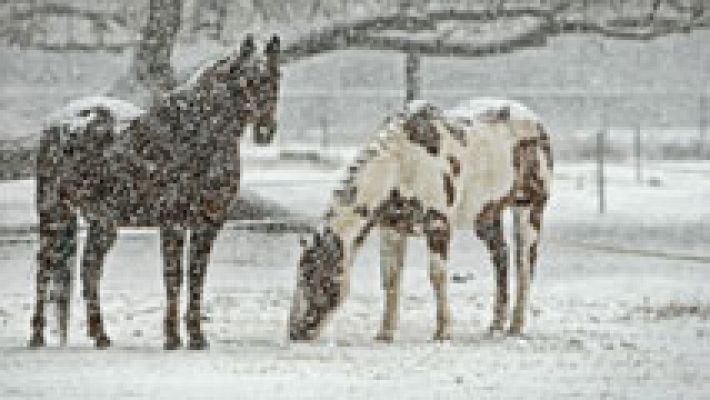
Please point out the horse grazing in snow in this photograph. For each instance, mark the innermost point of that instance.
(175, 166)
(428, 173)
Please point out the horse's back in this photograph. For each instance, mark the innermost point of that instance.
(494, 129)
(77, 145)
(481, 107)
(78, 113)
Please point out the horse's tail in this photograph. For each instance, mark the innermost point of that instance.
(57, 224)
(527, 220)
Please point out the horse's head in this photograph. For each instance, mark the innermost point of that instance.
(254, 85)
(320, 285)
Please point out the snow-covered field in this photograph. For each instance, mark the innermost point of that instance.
(620, 308)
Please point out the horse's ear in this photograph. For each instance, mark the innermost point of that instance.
(246, 49)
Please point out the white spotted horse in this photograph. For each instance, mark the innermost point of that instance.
(175, 166)
(430, 172)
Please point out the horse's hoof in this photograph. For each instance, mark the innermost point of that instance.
(198, 343)
(36, 341)
(515, 330)
(385, 337)
(496, 327)
(441, 336)
(102, 341)
(94, 329)
(495, 333)
(172, 343)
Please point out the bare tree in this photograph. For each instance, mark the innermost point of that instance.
(151, 71)
(152, 59)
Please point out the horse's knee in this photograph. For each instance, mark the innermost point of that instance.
(438, 233)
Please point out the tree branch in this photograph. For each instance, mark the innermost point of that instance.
(396, 32)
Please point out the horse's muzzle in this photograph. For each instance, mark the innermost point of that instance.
(300, 332)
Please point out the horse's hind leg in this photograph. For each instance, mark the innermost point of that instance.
(201, 241)
(490, 230)
(171, 241)
(527, 236)
(99, 240)
(57, 235)
(392, 253)
(438, 241)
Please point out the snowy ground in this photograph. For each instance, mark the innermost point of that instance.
(620, 308)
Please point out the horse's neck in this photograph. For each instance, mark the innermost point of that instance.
(177, 123)
(347, 225)
(367, 184)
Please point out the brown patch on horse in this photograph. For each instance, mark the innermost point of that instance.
(455, 165)
(400, 213)
(492, 116)
(420, 129)
(449, 190)
(438, 233)
(456, 132)
(361, 210)
(528, 188)
(362, 235)
(503, 114)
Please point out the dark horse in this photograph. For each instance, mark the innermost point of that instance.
(175, 166)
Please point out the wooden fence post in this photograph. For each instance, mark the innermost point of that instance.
(637, 152)
(702, 125)
(412, 76)
(600, 170)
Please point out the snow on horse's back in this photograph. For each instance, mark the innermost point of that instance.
(77, 114)
(482, 107)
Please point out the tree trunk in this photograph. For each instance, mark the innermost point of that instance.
(152, 59)
(151, 72)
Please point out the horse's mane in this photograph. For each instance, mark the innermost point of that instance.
(209, 67)
(386, 143)
(204, 69)
(381, 146)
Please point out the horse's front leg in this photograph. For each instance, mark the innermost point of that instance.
(45, 258)
(171, 241)
(99, 240)
(201, 240)
(438, 235)
(527, 234)
(392, 252)
(64, 276)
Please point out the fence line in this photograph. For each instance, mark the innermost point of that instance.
(28, 233)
